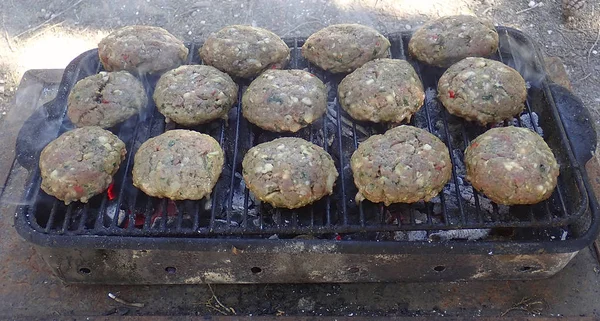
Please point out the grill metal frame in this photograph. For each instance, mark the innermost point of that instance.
(71, 224)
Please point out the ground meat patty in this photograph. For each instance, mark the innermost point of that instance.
(105, 99)
(447, 40)
(511, 165)
(482, 90)
(289, 172)
(195, 94)
(245, 51)
(141, 49)
(80, 163)
(382, 90)
(404, 165)
(344, 47)
(179, 165)
(284, 100)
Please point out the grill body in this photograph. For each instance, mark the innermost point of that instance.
(135, 239)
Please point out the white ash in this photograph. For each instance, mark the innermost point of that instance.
(346, 122)
(110, 212)
(442, 235)
(410, 236)
(526, 121)
(462, 234)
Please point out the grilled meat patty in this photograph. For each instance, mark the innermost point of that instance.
(141, 49)
(447, 40)
(404, 165)
(284, 100)
(245, 51)
(342, 48)
(511, 166)
(80, 163)
(105, 99)
(179, 165)
(195, 94)
(382, 90)
(482, 90)
(289, 172)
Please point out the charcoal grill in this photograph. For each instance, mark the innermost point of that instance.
(124, 236)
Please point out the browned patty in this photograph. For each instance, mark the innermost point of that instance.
(404, 165)
(511, 165)
(80, 163)
(105, 99)
(195, 94)
(179, 165)
(289, 172)
(482, 90)
(344, 47)
(447, 40)
(141, 49)
(284, 100)
(244, 51)
(382, 90)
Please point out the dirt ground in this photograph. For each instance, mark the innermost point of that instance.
(49, 34)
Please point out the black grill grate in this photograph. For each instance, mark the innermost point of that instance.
(232, 211)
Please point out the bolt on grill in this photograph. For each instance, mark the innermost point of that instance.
(232, 212)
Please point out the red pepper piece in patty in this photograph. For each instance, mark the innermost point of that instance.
(451, 93)
(78, 189)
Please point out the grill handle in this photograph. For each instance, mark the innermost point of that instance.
(577, 122)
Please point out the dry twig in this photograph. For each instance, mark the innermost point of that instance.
(582, 79)
(529, 9)
(592, 47)
(50, 19)
(302, 25)
(219, 307)
(131, 304)
(528, 305)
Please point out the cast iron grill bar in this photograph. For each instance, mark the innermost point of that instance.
(52, 216)
(520, 124)
(67, 220)
(196, 212)
(361, 211)
(425, 107)
(180, 209)
(453, 161)
(235, 155)
(83, 218)
(341, 151)
(326, 148)
(148, 216)
(475, 193)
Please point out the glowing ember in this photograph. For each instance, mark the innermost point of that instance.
(110, 192)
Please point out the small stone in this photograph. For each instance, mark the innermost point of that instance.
(202, 22)
(1, 90)
(190, 32)
(43, 10)
(549, 32)
(2, 81)
(595, 52)
(408, 27)
(531, 4)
